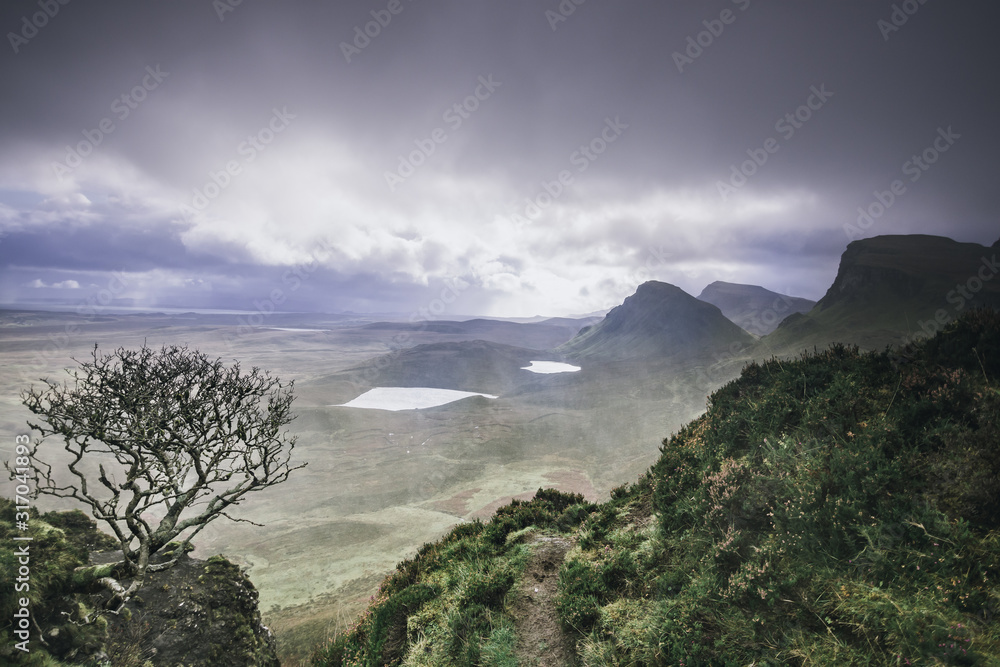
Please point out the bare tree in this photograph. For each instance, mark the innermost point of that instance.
(179, 439)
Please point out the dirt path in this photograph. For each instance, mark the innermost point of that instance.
(541, 641)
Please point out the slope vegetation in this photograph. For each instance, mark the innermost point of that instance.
(839, 509)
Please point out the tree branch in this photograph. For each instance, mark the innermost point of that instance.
(181, 430)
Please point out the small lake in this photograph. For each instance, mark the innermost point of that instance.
(408, 398)
(548, 367)
(294, 329)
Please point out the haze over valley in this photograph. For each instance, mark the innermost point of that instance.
(385, 477)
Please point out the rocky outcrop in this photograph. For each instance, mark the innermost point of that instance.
(915, 268)
(196, 613)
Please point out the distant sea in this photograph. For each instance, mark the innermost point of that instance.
(129, 310)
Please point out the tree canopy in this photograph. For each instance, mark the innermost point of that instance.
(177, 439)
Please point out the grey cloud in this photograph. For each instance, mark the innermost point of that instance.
(354, 120)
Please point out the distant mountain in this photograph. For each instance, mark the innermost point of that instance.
(755, 309)
(597, 314)
(890, 289)
(534, 335)
(660, 321)
(574, 322)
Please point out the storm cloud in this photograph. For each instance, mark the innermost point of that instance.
(545, 155)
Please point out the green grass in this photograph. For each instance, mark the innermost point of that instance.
(461, 615)
(838, 509)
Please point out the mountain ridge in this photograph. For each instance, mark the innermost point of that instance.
(891, 288)
(755, 309)
(659, 321)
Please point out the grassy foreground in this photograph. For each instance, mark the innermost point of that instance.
(841, 509)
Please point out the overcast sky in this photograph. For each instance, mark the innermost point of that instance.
(512, 158)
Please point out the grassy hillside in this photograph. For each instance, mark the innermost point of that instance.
(836, 510)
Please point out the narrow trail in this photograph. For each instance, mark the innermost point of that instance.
(541, 640)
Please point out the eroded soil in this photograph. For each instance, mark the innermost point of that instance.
(541, 640)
